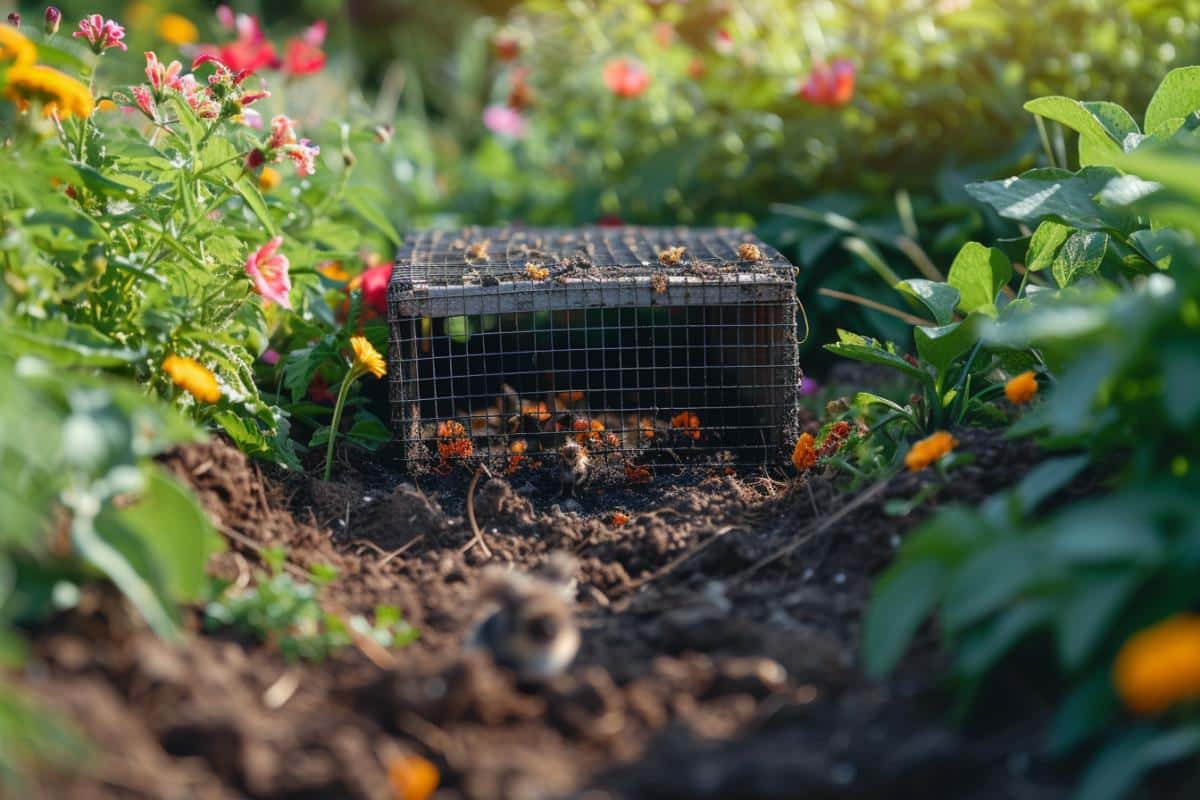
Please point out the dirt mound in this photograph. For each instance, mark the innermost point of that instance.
(720, 628)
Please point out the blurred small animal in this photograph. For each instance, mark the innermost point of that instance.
(526, 622)
(574, 467)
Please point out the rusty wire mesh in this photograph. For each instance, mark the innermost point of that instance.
(645, 345)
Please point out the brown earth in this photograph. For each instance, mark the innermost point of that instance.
(720, 629)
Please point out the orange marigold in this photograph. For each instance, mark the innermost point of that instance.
(688, 423)
(929, 450)
(453, 441)
(1021, 389)
(587, 430)
(193, 377)
(1160, 666)
(536, 273)
(635, 473)
(618, 519)
(413, 777)
(804, 454)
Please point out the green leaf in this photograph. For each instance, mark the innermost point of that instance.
(1087, 710)
(1081, 255)
(1178, 95)
(1130, 754)
(1055, 194)
(900, 602)
(371, 212)
(1105, 532)
(125, 187)
(1087, 613)
(193, 128)
(1096, 144)
(1045, 479)
(869, 354)
(980, 648)
(173, 529)
(979, 273)
(220, 157)
(939, 299)
(1181, 382)
(70, 344)
(987, 580)
(1045, 244)
(942, 346)
(254, 200)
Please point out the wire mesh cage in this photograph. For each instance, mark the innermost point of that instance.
(642, 346)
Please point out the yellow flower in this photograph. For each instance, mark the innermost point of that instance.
(929, 450)
(58, 93)
(138, 15)
(1021, 389)
(16, 48)
(193, 377)
(177, 30)
(269, 179)
(334, 271)
(106, 105)
(804, 454)
(366, 357)
(1160, 666)
(535, 272)
(412, 777)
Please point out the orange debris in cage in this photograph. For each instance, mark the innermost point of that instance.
(453, 441)
(687, 423)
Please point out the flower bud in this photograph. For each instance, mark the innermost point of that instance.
(53, 20)
(14, 19)
(348, 157)
(255, 159)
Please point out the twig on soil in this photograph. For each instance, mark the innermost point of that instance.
(262, 495)
(279, 692)
(475, 529)
(670, 566)
(388, 556)
(813, 530)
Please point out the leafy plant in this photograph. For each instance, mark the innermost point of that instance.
(287, 612)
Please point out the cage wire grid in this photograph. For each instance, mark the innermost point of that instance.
(646, 346)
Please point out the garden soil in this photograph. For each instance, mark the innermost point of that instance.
(720, 627)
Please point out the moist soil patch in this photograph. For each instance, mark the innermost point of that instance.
(719, 659)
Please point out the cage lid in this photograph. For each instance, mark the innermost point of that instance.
(482, 257)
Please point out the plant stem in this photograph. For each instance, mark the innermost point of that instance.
(351, 376)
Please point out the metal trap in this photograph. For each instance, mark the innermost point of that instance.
(644, 345)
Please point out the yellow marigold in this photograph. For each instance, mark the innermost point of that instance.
(929, 450)
(536, 273)
(1160, 666)
(413, 778)
(1021, 389)
(57, 92)
(804, 454)
(193, 377)
(366, 357)
(269, 179)
(16, 48)
(177, 29)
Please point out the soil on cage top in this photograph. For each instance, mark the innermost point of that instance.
(720, 630)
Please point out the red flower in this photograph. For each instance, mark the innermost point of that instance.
(249, 52)
(830, 85)
(625, 77)
(304, 56)
(506, 46)
(374, 282)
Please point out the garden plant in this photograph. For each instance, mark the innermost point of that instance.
(978, 576)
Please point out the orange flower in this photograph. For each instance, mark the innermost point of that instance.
(587, 430)
(538, 410)
(636, 474)
(269, 179)
(453, 441)
(177, 29)
(688, 423)
(517, 449)
(929, 450)
(835, 437)
(1160, 666)
(413, 777)
(193, 377)
(333, 270)
(804, 454)
(1021, 389)
(536, 273)
(618, 519)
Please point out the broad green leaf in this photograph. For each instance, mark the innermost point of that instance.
(1085, 616)
(1130, 754)
(989, 579)
(864, 400)
(1046, 479)
(939, 299)
(1081, 255)
(979, 273)
(1058, 194)
(1181, 380)
(1086, 711)
(220, 158)
(1105, 533)
(1178, 95)
(372, 213)
(876, 355)
(68, 343)
(1044, 245)
(192, 127)
(901, 600)
(1096, 144)
(174, 530)
(254, 200)
(1119, 123)
(943, 345)
(126, 187)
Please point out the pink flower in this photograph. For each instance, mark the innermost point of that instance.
(51, 20)
(285, 144)
(144, 100)
(249, 52)
(723, 42)
(830, 85)
(225, 16)
(504, 121)
(268, 269)
(102, 34)
(270, 357)
(625, 77)
(162, 76)
(14, 19)
(301, 57)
